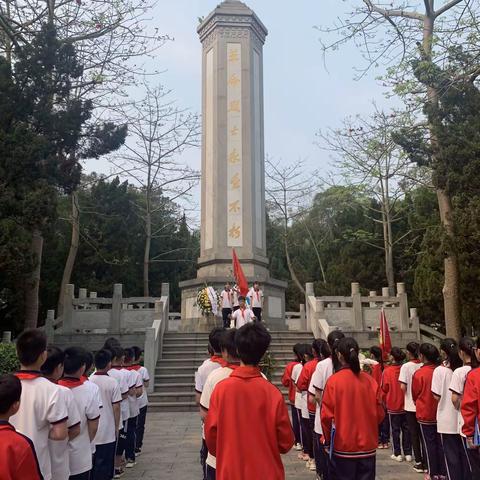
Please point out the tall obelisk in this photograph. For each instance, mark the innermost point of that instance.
(233, 167)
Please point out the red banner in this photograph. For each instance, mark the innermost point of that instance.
(385, 340)
(240, 279)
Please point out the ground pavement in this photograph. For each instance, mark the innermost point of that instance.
(172, 445)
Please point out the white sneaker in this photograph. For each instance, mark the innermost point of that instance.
(130, 464)
(397, 458)
(312, 467)
(408, 458)
(298, 447)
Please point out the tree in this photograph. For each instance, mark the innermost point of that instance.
(288, 188)
(159, 132)
(392, 35)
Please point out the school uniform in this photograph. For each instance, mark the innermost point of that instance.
(405, 377)
(256, 302)
(395, 404)
(18, 459)
(41, 406)
(227, 305)
(288, 383)
(296, 371)
(80, 457)
(384, 427)
(352, 405)
(59, 450)
(122, 377)
(247, 427)
(98, 399)
(236, 305)
(242, 316)
(106, 437)
(470, 411)
(135, 383)
(142, 405)
(455, 456)
(427, 418)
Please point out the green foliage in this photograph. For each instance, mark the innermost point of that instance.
(8, 358)
(268, 365)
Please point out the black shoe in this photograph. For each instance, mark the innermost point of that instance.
(418, 467)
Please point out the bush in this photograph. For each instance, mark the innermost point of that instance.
(8, 358)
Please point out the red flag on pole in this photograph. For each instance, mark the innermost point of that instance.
(242, 283)
(385, 340)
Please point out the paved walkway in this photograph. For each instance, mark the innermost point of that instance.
(172, 445)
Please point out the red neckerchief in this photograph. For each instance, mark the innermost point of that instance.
(134, 367)
(101, 373)
(218, 359)
(71, 382)
(232, 366)
(258, 295)
(416, 360)
(28, 374)
(242, 311)
(246, 372)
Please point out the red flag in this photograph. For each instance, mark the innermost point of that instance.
(385, 340)
(240, 279)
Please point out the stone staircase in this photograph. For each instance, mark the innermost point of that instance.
(183, 353)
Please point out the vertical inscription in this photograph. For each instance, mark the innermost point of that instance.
(257, 153)
(208, 172)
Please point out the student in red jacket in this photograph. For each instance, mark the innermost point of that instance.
(470, 409)
(395, 403)
(427, 409)
(247, 426)
(352, 408)
(17, 453)
(290, 384)
(377, 372)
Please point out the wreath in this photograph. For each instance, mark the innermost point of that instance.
(208, 300)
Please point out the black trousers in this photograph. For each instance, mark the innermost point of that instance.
(257, 311)
(211, 473)
(353, 468)
(80, 476)
(122, 440)
(296, 424)
(141, 427)
(456, 457)
(384, 431)
(399, 427)
(474, 459)
(315, 444)
(415, 437)
(307, 437)
(203, 458)
(322, 459)
(226, 320)
(130, 441)
(104, 462)
(432, 446)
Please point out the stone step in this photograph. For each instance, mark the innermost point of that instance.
(175, 387)
(173, 407)
(199, 349)
(281, 362)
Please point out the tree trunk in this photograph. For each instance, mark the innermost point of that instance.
(293, 275)
(72, 253)
(32, 284)
(146, 253)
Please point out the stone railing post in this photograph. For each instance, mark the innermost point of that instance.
(357, 314)
(7, 337)
(303, 317)
(372, 293)
(82, 294)
(68, 309)
(309, 292)
(149, 356)
(49, 329)
(403, 305)
(116, 312)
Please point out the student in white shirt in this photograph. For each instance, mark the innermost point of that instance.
(108, 426)
(256, 300)
(456, 459)
(209, 365)
(296, 371)
(236, 293)
(405, 378)
(142, 400)
(243, 315)
(226, 302)
(122, 376)
(80, 456)
(43, 412)
(59, 456)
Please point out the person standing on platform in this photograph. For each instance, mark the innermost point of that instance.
(243, 315)
(256, 300)
(236, 294)
(226, 304)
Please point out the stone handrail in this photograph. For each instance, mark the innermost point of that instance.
(431, 333)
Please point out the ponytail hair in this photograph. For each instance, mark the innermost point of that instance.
(321, 348)
(348, 347)
(449, 346)
(467, 345)
(307, 351)
(431, 353)
(297, 350)
(333, 339)
(398, 354)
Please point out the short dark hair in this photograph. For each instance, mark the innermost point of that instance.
(137, 352)
(321, 348)
(88, 360)
(129, 355)
(214, 338)
(398, 354)
(240, 297)
(117, 352)
(377, 353)
(413, 348)
(30, 345)
(430, 352)
(227, 342)
(10, 391)
(252, 341)
(75, 357)
(111, 342)
(102, 358)
(55, 357)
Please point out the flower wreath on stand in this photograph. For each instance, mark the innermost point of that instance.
(208, 301)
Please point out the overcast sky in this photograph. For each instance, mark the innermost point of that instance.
(302, 93)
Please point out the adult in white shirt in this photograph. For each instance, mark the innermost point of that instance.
(43, 413)
(59, 455)
(226, 304)
(456, 459)
(256, 300)
(405, 378)
(243, 315)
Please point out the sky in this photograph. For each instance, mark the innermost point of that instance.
(304, 92)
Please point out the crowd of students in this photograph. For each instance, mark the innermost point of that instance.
(70, 414)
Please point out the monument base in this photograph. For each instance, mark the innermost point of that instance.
(192, 321)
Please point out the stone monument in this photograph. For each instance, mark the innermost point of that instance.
(233, 168)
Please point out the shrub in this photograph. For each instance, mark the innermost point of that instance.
(8, 358)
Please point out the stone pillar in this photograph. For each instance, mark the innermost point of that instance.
(49, 328)
(93, 295)
(7, 337)
(116, 312)
(403, 305)
(357, 307)
(372, 293)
